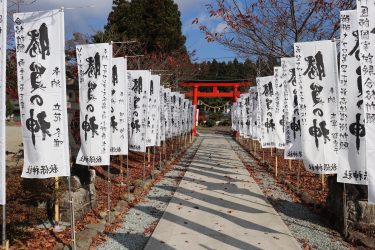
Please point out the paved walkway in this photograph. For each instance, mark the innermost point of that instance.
(219, 206)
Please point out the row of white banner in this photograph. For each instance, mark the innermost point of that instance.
(120, 109)
(318, 109)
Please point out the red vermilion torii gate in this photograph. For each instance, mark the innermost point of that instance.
(214, 93)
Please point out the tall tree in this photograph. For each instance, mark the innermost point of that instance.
(154, 23)
(267, 29)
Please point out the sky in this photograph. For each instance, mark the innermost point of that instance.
(89, 16)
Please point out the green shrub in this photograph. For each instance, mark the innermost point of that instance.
(210, 123)
(215, 116)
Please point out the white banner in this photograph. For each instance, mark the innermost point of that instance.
(153, 111)
(234, 116)
(42, 93)
(249, 113)
(186, 115)
(175, 106)
(239, 117)
(247, 116)
(266, 93)
(278, 106)
(293, 146)
(182, 116)
(253, 113)
(119, 107)
(168, 113)
(180, 112)
(158, 119)
(139, 87)
(191, 119)
(243, 116)
(352, 153)
(95, 76)
(317, 79)
(162, 112)
(3, 41)
(259, 119)
(366, 31)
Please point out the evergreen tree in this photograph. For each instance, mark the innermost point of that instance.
(154, 23)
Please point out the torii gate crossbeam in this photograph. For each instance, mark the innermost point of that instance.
(215, 93)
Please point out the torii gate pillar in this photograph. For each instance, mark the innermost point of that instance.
(235, 93)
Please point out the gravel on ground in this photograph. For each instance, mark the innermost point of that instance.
(139, 222)
(308, 228)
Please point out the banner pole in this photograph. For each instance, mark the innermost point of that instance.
(299, 173)
(271, 151)
(149, 159)
(323, 182)
(73, 231)
(72, 220)
(345, 212)
(172, 145)
(56, 227)
(276, 163)
(121, 170)
(109, 193)
(284, 167)
(148, 155)
(144, 168)
(127, 173)
(4, 236)
(153, 162)
(263, 153)
(165, 148)
(160, 148)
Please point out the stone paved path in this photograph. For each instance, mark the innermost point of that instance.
(219, 206)
(132, 234)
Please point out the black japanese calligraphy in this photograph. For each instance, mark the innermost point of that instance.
(315, 66)
(358, 130)
(270, 125)
(293, 79)
(114, 75)
(37, 70)
(137, 87)
(90, 92)
(44, 125)
(318, 132)
(295, 126)
(39, 42)
(135, 126)
(114, 123)
(267, 89)
(90, 125)
(316, 90)
(355, 49)
(93, 67)
(32, 125)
